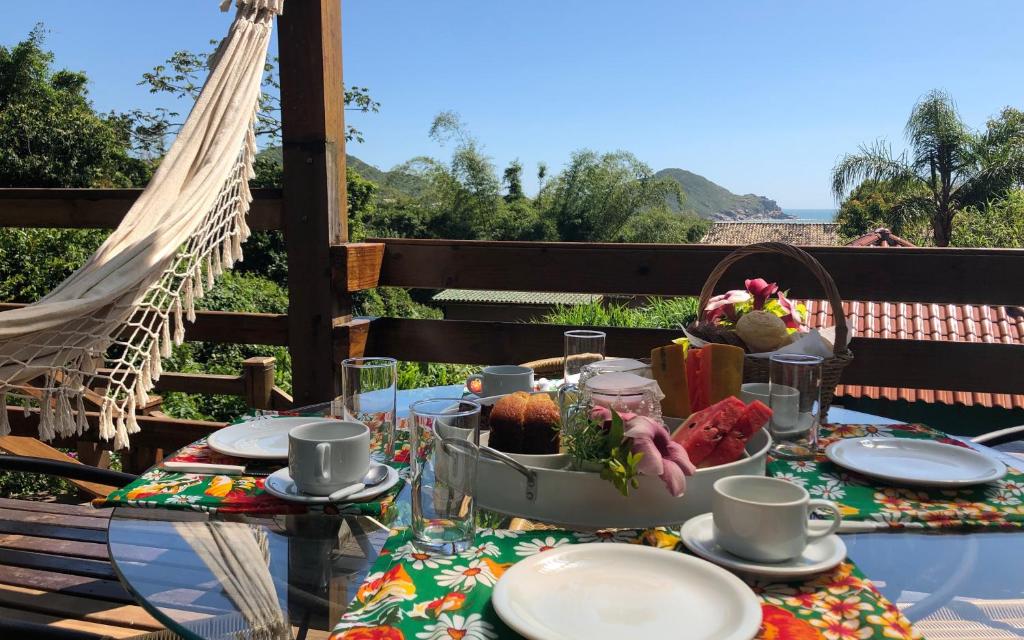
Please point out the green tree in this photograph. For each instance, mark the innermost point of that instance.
(50, 134)
(659, 224)
(957, 167)
(999, 223)
(874, 204)
(513, 181)
(596, 194)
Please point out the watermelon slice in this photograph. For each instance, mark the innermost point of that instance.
(701, 433)
(733, 444)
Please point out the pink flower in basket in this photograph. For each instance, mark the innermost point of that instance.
(724, 306)
(761, 290)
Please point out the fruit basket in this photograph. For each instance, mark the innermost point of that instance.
(583, 500)
(756, 369)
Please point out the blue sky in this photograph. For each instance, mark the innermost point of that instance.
(760, 97)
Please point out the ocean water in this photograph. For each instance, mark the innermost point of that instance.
(816, 215)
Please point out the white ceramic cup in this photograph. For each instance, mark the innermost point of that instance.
(767, 519)
(328, 455)
(501, 379)
(785, 405)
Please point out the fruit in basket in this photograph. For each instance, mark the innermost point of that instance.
(668, 365)
(713, 372)
(718, 434)
(762, 331)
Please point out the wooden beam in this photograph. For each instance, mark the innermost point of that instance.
(313, 142)
(157, 432)
(33, 448)
(104, 208)
(350, 339)
(357, 265)
(861, 273)
(917, 364)
(228, 327)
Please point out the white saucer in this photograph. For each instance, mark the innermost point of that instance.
(280, 484)
(821, 554)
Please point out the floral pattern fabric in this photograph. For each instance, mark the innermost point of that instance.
(412, 595)
(872, 503)
(160, 488)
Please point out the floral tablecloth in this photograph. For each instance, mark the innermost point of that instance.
(413, 595)
(162, 488)
(868, 503)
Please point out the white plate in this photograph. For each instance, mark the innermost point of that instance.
(599, 591)
(822, 554)
(280, 484)
(262, 438)
(915, 462)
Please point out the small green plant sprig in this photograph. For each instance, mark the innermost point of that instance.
(590, 442)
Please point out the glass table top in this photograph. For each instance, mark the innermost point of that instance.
(208, 576)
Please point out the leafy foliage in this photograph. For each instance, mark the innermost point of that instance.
(596, 194)
(947, 168)
(657, 313)
(872, 205)
(50, 136)
(999, 223)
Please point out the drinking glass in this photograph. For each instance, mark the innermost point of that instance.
(582, 346)
(444, 438)
(369, 387)
(794, 393)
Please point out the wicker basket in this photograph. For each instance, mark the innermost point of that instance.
(757, 369)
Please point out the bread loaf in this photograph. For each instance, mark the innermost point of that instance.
(507, 422)
(540, 425)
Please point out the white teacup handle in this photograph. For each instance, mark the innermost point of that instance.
(323, 461)
(837, 518)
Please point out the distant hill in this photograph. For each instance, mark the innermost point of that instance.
(388, 181)
(712, 201)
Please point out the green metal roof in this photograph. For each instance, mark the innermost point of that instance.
(514, 297)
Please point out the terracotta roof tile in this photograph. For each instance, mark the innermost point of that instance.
(799, 233)
(881, 237)
(917, 321)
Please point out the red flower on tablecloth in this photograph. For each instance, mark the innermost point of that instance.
(369, 633)
(779, 624)
(894, 626)
(849, 607)
(394, 585)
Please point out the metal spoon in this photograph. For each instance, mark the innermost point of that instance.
(376, 475)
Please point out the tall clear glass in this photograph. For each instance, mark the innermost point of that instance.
(582, 347)
(444, 438)
(794, 393)
(369, 389)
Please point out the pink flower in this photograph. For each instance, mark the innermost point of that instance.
(793, 318)
(725, 305)
(662, 456)
(761, 290)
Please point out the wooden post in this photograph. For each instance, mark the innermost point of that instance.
(259, 381)
(313, 136)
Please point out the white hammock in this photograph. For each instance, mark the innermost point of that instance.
(126, 307)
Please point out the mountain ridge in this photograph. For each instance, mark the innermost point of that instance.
(714, 202)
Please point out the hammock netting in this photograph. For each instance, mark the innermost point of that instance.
(101, 334)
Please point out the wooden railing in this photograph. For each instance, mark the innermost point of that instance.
(941, 276)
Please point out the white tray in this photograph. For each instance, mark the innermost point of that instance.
(584, 500)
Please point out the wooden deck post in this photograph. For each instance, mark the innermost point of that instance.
(258, 372)
(315, 201)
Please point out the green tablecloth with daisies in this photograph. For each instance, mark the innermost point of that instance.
(413, 595)
(212, 493)
(872, 504)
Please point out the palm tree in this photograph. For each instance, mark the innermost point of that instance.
(948, 167)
